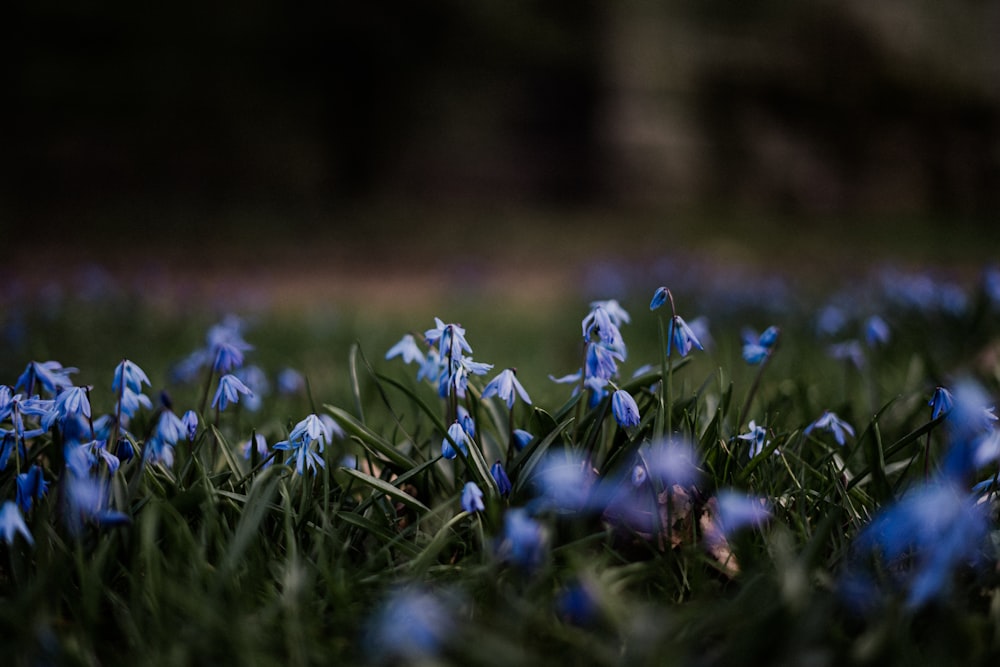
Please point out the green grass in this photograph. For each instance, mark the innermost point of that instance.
(228, 561)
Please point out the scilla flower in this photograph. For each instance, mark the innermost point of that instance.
(876, 331)
(834, 424)
(522, 542)
(757, 437)
(229, 391)
(500, 477)
(681, 337)
(757, 348)
(408, 349)
(300, 442)
(457, 435)
(472, 498)
(11, 522)
(31, 486)
(505, 385)
(625, 409)
(941, 402)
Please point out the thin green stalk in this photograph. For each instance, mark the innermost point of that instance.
(745, 409)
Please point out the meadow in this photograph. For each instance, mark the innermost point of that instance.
(725, 472)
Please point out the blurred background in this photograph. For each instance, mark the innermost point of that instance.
(390, 149)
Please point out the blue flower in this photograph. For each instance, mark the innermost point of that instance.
(468, 423)
(300, 441)
(681, 337)
(170, 428)
(70, 402)
(260, 444)
(757, 348)
(458, 436)
(97, 450)
(230, 388)
(408, 349)
(256, 381)
(158, 451)
(89, 500)
(602, 361)
(625, 409)
(830, 320)
(472, 498)
(618, 315)
(849, 350)
(522, 542)
(500, 477)
(834, 424)
(130, 402)
(599, 321)
(670, 462)
(456, 377)
(757, 437)
(127, 385)
(226, 345)
(522, 438)
(11, 522)
(332, 427)
(129, 376)
(565, 483)
(313, 427)
(290, 382)
(224, 351)
(941, 402)
(450, 339)
(190, 421)
(9, 443)
(50, 374)
(505, 385)
(577, 604)
(937, 528)
(737, 511)
(660, 297)
(410, 627)
(31, 486)
(876, 331)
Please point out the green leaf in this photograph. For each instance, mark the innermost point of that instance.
(386, 488)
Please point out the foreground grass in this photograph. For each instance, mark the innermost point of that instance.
(617, 542)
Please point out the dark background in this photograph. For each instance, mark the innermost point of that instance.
(188, 117)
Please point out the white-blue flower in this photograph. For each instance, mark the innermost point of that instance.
(229, 391)
(834, 424)
(472, 498)
(506, 385)
(625, 409)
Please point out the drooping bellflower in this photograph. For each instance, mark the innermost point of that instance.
(49, 374)
(522, 542)
(408, 349)
(472, 498)
(876, 331)
(625, 409)
(834, 424)
(410, 627)
(500, 477)
(506, 386)
(229, 391)
(306, 433)
(458, 436)
(11, 523)
(31, 486)
(941, 402)
(681, 337)
(937, 528)
(757, 348)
